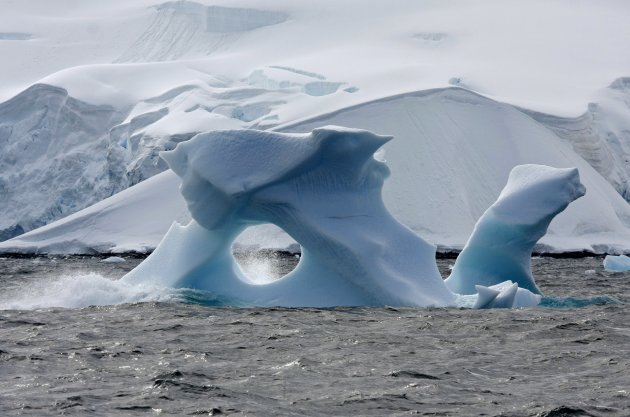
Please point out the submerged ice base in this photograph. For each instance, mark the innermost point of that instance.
(324, 190)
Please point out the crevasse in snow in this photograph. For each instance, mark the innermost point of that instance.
(324, 189)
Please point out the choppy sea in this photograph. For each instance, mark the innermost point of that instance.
(153, 351)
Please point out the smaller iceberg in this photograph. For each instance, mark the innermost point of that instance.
(324, 189)
(113, 260)
(503, 239)
(619, 263)
(506, 294)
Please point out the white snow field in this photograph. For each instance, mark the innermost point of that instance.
(93, 91)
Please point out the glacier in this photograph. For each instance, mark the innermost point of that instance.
(466, 164)
(324, 189)
(54, 157)
(149, 74)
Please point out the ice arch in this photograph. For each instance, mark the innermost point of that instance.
(324, 190)
(258, 261)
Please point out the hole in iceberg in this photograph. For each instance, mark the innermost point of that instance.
(265, 253)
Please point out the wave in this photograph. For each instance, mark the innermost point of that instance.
(92, 289)
(574, 302)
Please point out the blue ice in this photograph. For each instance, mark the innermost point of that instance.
(324, 189)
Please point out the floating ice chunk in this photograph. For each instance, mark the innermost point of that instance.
(502, 241)
(505, 295)
(114, 260)
(497, 296)
(526, 298)
(619, 263)
(485, 296)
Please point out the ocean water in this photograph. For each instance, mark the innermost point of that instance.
(155, 351)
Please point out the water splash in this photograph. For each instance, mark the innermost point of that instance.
(264, 267)
(78, 291)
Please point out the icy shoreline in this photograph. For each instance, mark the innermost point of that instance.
(441, 253)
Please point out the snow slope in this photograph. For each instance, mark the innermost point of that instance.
(133, 77)
(451, 155)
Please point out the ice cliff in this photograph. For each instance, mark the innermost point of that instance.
(324, 189)
(54, 158)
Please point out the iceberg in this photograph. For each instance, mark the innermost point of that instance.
(324, 189)
(620, 263)
(503, 239)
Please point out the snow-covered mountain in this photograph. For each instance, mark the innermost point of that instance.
(94, 90)
(450, 157)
